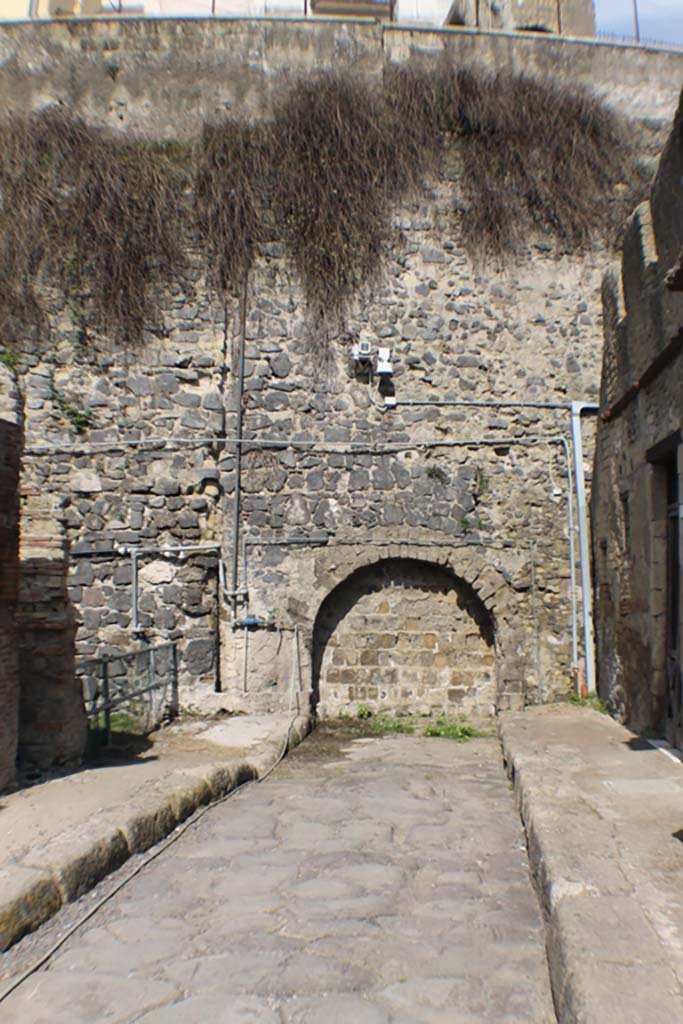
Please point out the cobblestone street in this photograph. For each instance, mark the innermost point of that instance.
(369, 881)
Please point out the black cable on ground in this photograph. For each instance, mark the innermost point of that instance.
(160, 848)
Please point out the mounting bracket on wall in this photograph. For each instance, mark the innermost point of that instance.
(385, 375)
(369, 363)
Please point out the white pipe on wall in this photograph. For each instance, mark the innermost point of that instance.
(577, 409)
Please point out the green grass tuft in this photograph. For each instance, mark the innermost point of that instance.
(383, 725)
(452, 729)
(591, 701)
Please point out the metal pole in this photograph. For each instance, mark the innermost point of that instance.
(636, 22)
(572, 561)
(245, 661)
(174, 680)
(534, 616)
(105, 698)
(217, 679)
(238, 448)
(582, 516)
(134, 574)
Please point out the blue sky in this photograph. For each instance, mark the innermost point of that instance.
(659, 19)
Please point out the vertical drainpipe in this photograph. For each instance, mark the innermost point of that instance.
(238, 449)
(134, 575)
(572, 560)
(577, 408)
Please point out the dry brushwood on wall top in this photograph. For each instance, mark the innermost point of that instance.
(104, 217)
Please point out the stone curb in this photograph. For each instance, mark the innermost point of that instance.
(604, 958)
(544, 876)
(75, 861)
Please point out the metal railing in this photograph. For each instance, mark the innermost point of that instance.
(141, 687)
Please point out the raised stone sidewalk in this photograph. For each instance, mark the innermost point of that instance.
(61, 837)
(603, 812)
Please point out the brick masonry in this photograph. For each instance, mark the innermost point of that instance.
(405, 635)
(52, 724)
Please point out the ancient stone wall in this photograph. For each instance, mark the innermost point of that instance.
(136, 450)
(10, 447)
(114, 492)
(162, 78)
(639, 462)
(330, 475)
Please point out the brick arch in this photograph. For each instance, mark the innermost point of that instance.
(404, 633)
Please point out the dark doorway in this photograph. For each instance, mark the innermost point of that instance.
(674, 697)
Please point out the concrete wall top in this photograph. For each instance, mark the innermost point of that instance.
(160, 78)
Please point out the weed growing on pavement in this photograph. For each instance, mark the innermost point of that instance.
(363, 711)
(591, 701)
(383, 725)
(452, 729)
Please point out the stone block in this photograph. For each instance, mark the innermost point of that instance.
(199, 656)
(29, 897)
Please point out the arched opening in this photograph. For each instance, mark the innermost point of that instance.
(404, 636)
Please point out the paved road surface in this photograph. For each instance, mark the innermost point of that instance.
(369, 881)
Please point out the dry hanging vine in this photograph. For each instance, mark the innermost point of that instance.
(97, 215)
(105, 217)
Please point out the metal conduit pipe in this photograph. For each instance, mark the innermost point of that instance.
(481, 403)
(238, 448)
(577, 409)
(135, 553)
(167, 549)
(572, 561)
(271, 444)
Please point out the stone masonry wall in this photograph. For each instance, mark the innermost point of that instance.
(481, 489)
(332, 480)
(638, 445)
(492, 480)
(114, 491)
(161, 78)
(10, 447)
